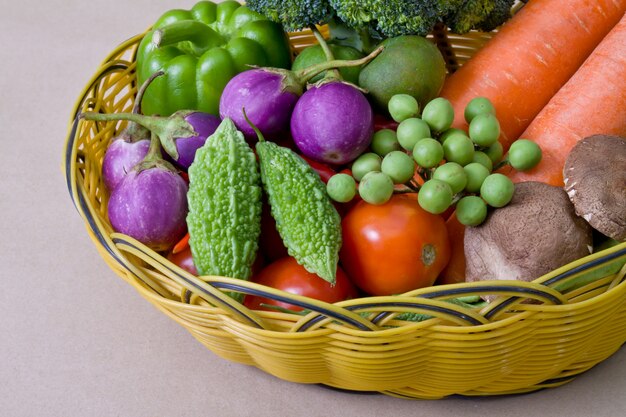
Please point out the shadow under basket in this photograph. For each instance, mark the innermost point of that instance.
(577, 319)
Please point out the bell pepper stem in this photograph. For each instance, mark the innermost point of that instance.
(200, 35)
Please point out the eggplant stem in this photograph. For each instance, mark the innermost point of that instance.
(142, 91)
(306, 74)
(332, 74)
(253, 126)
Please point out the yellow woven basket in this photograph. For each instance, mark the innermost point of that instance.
(509, 346)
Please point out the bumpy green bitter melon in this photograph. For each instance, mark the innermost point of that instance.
(306, 219)
(224, 198)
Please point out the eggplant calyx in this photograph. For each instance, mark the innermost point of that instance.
(332, 80)
(154, 158)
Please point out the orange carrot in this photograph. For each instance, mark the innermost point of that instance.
(593, 101)
(181, 245)
(530, 59)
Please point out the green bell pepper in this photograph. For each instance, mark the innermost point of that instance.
(200, 50)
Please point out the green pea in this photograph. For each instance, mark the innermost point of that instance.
(476, 174)
(439, 114)
(476, 106)
(399, 166)
(484, 130)
(385, 141)
(497, 190)
(428, 153)
(365, 163)
(435, 196)
(376, 188)
(341, 187)
(458, 148)
(471, 210)
(453, 174)
(402, 106)
(524, 154)
(411, 131)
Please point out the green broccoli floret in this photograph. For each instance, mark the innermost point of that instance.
(394, 17)
(293, 14)
(500, 14)
(483, 15)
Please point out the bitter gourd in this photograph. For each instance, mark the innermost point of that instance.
(224, 197)
(306, 219)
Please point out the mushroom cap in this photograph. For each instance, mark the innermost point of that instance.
(595, 181)
(536, 233)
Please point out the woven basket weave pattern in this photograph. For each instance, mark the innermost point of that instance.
(508, 347)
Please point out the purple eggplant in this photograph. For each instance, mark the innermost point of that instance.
(266, 95)
(129, 147)
(181, 134)
(332, 123)
(204, 124)
(150, 203)
(120, 158)
(270, 94)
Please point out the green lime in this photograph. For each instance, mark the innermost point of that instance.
(409, 64)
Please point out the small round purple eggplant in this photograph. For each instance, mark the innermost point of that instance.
(120, 158)
(268, 97)
(150, 205)
(130, 147)
(332, 123)
(204, 124)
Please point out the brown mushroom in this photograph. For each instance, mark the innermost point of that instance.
(537, 232)
(595, 181)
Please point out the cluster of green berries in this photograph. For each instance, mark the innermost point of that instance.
(446, 166)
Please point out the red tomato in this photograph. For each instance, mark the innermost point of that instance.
(323, 170)
(287, 275)
(270, 242)
(183, 258)
(383, 122)
(394, 247)
(454, 272)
